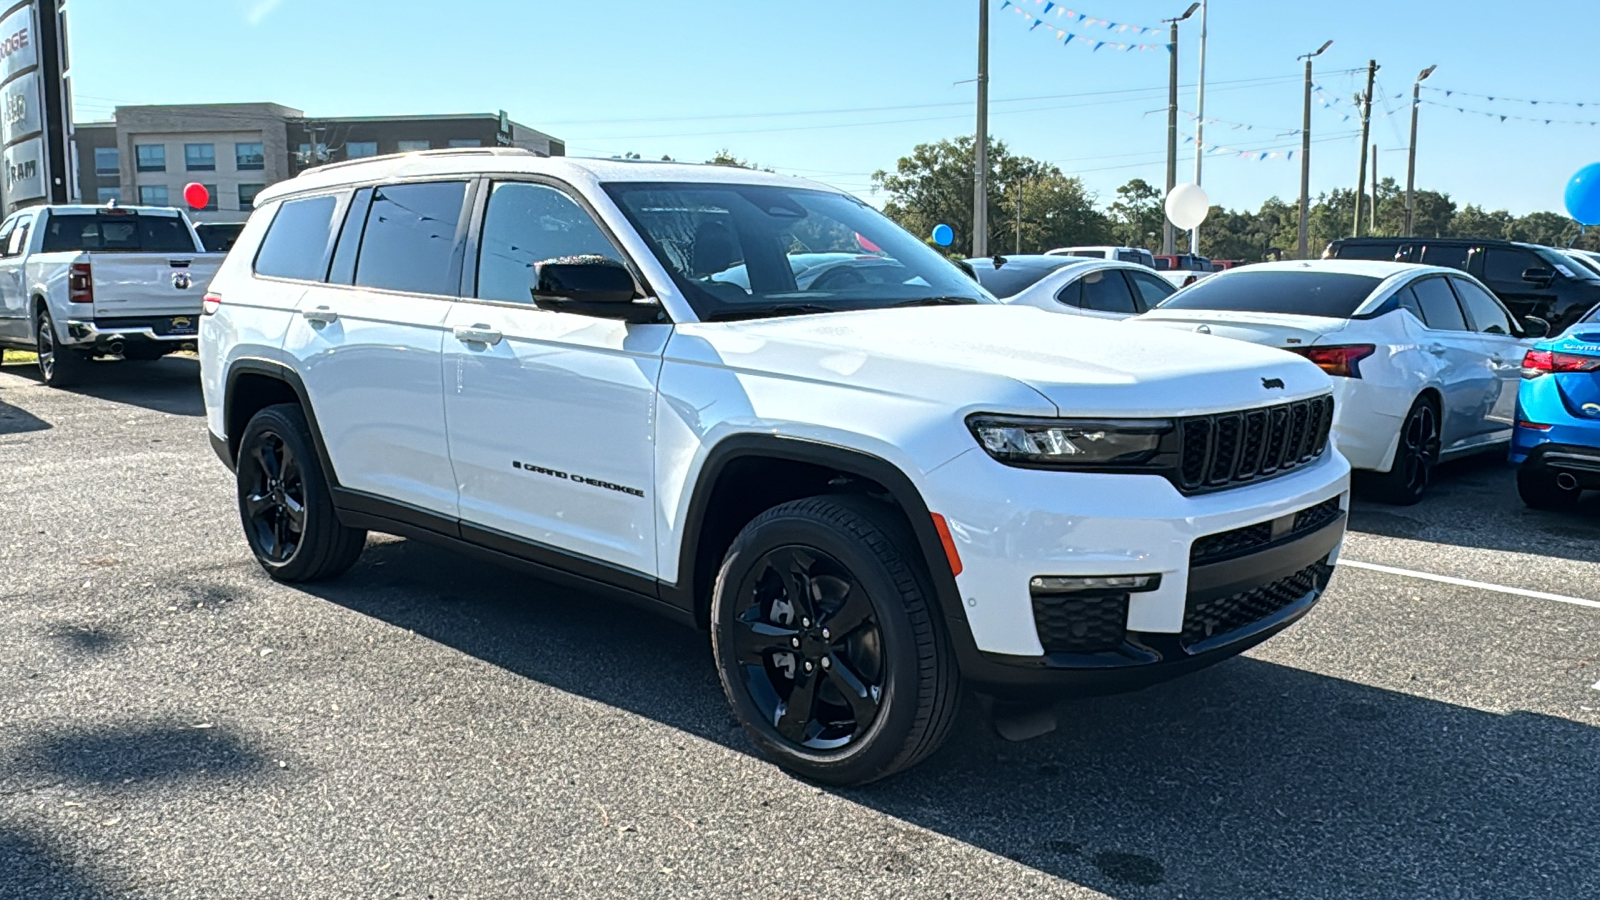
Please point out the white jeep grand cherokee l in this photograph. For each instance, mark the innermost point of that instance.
(757, 405)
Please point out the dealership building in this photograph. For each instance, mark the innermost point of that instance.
(147, 154)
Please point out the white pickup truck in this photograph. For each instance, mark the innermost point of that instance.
(77, 282)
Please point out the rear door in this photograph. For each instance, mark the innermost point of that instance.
(1502, 347)
(1468, 385)
(1501, 268)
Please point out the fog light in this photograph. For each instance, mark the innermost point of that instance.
(1074, 584)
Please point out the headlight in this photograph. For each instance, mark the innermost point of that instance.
(1067, 443)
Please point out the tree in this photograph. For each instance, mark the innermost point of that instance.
(1473, 222)
(1136, 216)
(933, 186)
(725, 157)
(1548, 228)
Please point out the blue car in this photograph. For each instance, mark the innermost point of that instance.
(1556, 445)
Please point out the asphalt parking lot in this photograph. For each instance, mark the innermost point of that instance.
(174, 724)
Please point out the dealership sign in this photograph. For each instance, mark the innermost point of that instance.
(35, 122)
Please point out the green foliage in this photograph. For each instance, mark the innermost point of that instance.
(725, 157)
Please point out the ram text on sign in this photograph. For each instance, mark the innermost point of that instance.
(23, 164)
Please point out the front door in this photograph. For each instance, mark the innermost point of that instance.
(1501, 351)
(550, 413)
(1501, 268)
(1464, 380)
(14, 313)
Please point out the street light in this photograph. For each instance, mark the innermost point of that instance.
(1411, 161)
(1305, 152)
(1169, 238)
(1199, 122)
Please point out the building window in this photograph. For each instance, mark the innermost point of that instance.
(465, 142)
(360, 149)
(200, 157)
(303, 155)
(106, 162)
(249, 157)
(106, 195)
(211, 196)
(152, 157)
(412, 146)
(247, 195)
(153, 195)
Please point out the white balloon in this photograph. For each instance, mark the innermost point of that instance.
(1187, 206)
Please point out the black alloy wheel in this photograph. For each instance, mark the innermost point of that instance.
(274, 504)
(285, 504)
(1418, 452)
(808, 642)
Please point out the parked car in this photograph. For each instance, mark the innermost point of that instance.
(1103, 289)
(1586, 258)
(218, 237)
(871, 493)
(1125, 254)
(1183, 269)
(1007, 276)
(1222, 265)
(78, 282)
(1531, 280)
(1425, 360)
(1557, 442)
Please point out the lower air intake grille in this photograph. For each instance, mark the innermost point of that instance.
(1223, 615)
(1071, 623)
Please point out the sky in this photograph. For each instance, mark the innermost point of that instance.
(837, 89)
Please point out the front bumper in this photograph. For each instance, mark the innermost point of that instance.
(102, 333)
(1011, 525)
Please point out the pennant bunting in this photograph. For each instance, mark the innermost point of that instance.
(1065, 36)
(1506, 117)
(1496, 98)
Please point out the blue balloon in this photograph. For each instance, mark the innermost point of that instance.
(1583, 195)
(943, 235)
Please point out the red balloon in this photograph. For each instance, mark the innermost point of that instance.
(196, 196)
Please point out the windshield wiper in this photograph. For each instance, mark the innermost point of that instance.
(761, 312)
(935, 301)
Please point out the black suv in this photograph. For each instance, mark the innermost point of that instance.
(1531, 280)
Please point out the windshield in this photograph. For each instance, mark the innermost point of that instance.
(746, 251)
(1013, 276)
(1335, 295)
(127, 232)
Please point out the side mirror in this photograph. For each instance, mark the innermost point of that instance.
(1535, 327)
(591, 286)
(1538, 275)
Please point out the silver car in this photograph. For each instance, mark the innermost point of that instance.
(1101, 288)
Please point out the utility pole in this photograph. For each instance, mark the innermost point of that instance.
(1411, 153)
(1019, 219)
(980, 147)
(1199, 123)
(1372, 219)
(1305, 158)
(1366, 127)
(1169, 238)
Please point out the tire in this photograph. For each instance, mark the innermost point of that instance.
(277, 471)
(1538, 489)
(59, 366)
(790, 572)
(1418, 452)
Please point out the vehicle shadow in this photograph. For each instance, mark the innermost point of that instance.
(29, 867)
(1473, 502)
(19, 421)
(168, 385)
(1250, 779)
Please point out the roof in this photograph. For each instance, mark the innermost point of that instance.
(1397, 241)
(1372, 268)
(503, 160)
(94, 209)
(1031, 260)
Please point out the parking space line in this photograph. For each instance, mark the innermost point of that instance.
(1480, 585)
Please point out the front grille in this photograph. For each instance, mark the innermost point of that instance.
(1229, 449)
(1208, 619)
(1239, 541)
(1072, 623)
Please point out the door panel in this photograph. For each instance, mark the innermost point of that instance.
(1465, 382)
(1501, 350)
(15, 324)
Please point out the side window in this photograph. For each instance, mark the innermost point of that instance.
(1439, 308)
(1503, 266)
(343, 269)
(7, 228)
(1449, 256)
(1149, 290)
(1072, 294)
(1485, 311)
(19, 237)
(527, 224)
(296, 244)
(1106, 291)
(1407, 299)
(410, 240)
(1367, 251)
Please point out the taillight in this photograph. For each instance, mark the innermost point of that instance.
(211, 303)
(1341, 360)
(1542, 362)
(80, 283)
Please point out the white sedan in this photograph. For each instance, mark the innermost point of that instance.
(1099, 288)
(1426, 360)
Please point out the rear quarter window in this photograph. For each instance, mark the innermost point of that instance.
(296, 243)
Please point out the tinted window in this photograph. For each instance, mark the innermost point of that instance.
(218, 237)
(1439, 308)
(19, 238)
(1452, 256)
(296, 245)
(1501, 265)
(1014, 277)
(1092, 254)
(1106, 291)
(1152, 291)
(129, 232)
(1408, 302)
(1335, 295)
(1367, 251)
(1487, 316)
(527, 224)
(410, 240)
(1163, 263)
(343, 268)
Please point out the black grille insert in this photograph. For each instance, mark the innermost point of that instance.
(1239, 541)
(1221, 616)
(1234, 448)
(1076, 623)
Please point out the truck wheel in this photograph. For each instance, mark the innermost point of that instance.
(59, 366)
(827, 642)
(285, 504)
(1407, 480)
(1538, 488)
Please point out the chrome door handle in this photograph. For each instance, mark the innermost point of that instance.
(1436, 349)
(478, 334)
(322, 315)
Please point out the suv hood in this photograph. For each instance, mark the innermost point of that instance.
(962, 356)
